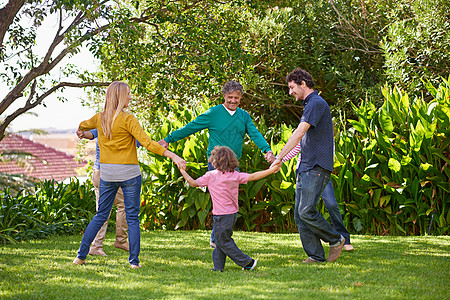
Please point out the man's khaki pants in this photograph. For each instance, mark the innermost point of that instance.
(121, 222)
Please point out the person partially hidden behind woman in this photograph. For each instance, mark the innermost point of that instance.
(121, 222)
(119, 167)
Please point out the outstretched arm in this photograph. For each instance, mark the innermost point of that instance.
(181, 163)
(295, 138)
(188, 178)
(258, 139)
(199, 123)
(292, 153)
(261, 174)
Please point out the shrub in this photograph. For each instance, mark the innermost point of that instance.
(49, 208)
(392, 164)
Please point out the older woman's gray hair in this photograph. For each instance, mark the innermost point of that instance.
(232, 86)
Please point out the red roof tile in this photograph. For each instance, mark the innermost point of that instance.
(47, 163)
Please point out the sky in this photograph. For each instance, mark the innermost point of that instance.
(56, 114)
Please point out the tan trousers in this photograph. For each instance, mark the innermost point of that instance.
(121, 222)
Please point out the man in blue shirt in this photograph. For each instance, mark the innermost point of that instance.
(315, 132)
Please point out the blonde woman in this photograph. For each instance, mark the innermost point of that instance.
(117, 135)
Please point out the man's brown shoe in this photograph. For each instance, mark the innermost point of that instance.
(78, 261)
(336, 251)
(99, 251)
(124, 246)
(309, 261)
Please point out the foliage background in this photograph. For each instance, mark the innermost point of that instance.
(382, 66)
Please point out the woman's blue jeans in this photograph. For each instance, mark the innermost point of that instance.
(131, 193)
(311, 225)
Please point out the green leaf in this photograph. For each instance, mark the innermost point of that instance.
(286, 133)
(286, 185)
(381, 158)
(416, 136)
(255, 188)
(376, 197)
(384, 200)
(365, 178)
(400, 228)
(358, 126)
(285, 209)
(394, 165)
(405, 160)
(425, 166)
(202, 217)
(386, 121)
(357, 224)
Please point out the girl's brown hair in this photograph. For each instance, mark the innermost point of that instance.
(223, 159)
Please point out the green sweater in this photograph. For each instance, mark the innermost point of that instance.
(224, 130)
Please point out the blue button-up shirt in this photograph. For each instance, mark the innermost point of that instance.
(317, 143)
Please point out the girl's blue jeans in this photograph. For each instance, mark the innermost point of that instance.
(225, 245)
(212, 239)
(131, 193)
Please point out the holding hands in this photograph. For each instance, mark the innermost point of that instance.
(181, 163)
(85, 134)
(276, 165)
(269, 157)
(163, 143)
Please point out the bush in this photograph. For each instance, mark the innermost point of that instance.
(49, 208)
(392, 164)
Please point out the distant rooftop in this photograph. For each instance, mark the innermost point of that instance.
(51, 130)
(47, 163)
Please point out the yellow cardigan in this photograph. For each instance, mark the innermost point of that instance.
(121, 149)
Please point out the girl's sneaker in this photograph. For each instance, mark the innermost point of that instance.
(251, 265)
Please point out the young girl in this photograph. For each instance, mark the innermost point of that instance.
(223, 185)
(117, 135)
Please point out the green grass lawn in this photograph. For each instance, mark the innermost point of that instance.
(176, 265)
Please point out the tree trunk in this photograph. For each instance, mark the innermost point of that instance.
(7, 15)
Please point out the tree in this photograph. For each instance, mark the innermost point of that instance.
(416, 45)
(80, 22)
(185, 53)
(28, 75)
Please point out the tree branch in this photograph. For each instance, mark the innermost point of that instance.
(30, 104)
(45, 66)
(368, 46)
